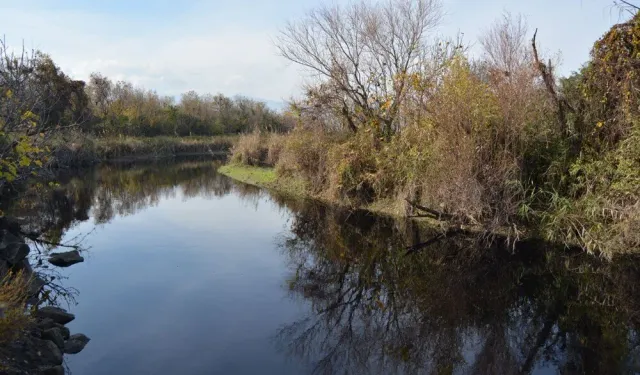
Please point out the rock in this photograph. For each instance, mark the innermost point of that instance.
(36, 285)
(48, 323)
(7, 238)
(55, 335)
(65, 332)
(66, 259)
(4, 267)
(12, 248)
(43, 353)
(56, 314)
(76, 343)
(12, 224)
(52, 370)
(14, 253)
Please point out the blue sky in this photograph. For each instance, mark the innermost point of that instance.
(226, 46)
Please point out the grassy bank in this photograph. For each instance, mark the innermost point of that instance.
(77, 150)
(295, 187)
(265, 177)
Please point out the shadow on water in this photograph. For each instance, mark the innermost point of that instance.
(457, 306)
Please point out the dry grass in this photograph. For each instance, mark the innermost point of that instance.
(75, 149)
(14, 291)
(488, 143)
(251, 149)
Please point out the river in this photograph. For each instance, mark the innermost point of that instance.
(188, 272)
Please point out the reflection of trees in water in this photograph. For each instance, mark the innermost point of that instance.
(112, 190)
(454, 307)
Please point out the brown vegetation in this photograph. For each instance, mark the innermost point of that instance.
(494, 142)
(14, 318)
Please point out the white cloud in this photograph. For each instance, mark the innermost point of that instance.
(227, 46)
(186, 55)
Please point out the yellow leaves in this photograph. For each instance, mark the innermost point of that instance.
(28, 115)
(8, 170)
(599, 124)
(25, 161)
(9, 94)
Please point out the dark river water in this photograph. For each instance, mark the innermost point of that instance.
(188, 272)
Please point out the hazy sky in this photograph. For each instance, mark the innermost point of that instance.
(226, 45)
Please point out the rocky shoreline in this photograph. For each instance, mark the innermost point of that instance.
(41, 347)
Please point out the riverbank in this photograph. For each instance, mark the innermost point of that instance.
(268, 178)
(78, 150)
(33, 335)
(265, 177)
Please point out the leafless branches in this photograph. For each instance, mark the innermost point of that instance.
(365, 53)
(505, 44)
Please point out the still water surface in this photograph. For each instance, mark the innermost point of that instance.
(188, 272)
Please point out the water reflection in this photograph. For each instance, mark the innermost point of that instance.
(456, 306)
(53, 207)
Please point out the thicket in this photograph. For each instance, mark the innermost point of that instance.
(495, 141)
(120, 108)
(45, 114)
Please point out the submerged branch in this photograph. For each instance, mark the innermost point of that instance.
(423, 245)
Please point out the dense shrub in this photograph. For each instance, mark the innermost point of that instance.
(250, 150)
(488, 142)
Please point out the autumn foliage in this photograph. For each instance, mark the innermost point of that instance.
(476, 138)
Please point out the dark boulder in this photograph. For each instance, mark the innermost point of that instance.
(12, 248)
(65, 332)
(48, 323)
(55, 335)
(76, 343)
(11, 224)
(7, 238)
(56, 314)
(43, 353)
(66, 259)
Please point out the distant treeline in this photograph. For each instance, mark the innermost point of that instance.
(33, 83)
(120, 108)
(43, 110)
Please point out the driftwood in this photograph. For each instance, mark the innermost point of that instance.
(435, 214)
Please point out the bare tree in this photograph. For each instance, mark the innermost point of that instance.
(100, 90)
(505, 44)
(366, 52)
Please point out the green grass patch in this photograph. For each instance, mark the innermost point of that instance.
(250, 175)
(265, 178)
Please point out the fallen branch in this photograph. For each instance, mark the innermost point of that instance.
(36, 238)
(430, 212)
